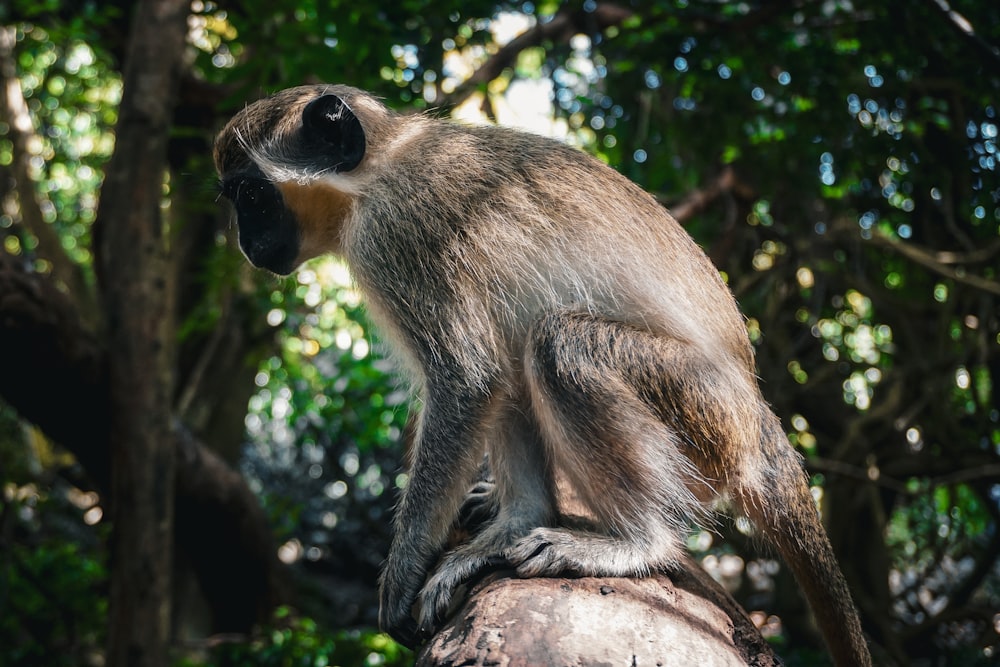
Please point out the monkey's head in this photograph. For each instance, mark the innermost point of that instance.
(291, 165)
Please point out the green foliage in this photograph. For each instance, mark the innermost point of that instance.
(950, 523)
(389, 48)
(299, 642)
(325, 425)
(53, 581)
(72, 92)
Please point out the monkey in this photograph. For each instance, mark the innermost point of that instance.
(548, 313)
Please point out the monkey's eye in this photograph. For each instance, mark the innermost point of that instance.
(244, 190)
(252, 195)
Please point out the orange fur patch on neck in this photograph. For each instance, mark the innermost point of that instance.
(320, 211)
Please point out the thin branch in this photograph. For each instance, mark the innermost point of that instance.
(21, 131)
(964, 27)
(929, 260)
(875, 476)
(989, 471)
(566, 23)
(869, 475)
(975, 256)
(938, 262)
(189, 393)
(698, 200)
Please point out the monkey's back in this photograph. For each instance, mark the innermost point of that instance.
(500, 226)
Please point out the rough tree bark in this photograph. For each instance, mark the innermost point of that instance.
(684, 618)
(138, 311)
(218, 521)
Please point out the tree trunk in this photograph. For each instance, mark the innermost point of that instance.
(218, 521)
(138, 309)
(684, 618)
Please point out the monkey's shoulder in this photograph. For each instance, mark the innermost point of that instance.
(474, 161)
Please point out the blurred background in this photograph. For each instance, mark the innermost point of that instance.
(836, 159)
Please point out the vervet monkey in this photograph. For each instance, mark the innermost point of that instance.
(549, 313)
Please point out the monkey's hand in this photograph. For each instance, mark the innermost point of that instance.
(396, 615)
(397, 594)
(486, 552)
(479, 507)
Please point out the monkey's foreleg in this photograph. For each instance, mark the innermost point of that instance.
(523, 498)
(446, 451)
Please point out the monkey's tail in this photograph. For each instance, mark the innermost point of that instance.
(782, 508)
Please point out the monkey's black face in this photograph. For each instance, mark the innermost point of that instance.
(307, 132)
(268, 231)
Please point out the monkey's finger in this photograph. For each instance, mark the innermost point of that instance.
(438, 600)
(480, 507)
(408, 633)
(547, 552)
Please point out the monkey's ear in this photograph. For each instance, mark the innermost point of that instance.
(330, 123)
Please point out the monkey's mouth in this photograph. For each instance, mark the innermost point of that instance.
(275, 252)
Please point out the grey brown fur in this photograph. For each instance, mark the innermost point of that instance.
(549, 313)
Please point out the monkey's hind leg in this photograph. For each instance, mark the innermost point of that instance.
(612, 402)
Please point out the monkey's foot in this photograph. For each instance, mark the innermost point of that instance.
(547, 552)
(455, 569)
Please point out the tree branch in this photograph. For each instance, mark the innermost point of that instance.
(700, 199)
(938, 262)
(928, 260)
(680, 618)
(964, 475)
(865, 475)
(963, 27)
(138, 300)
